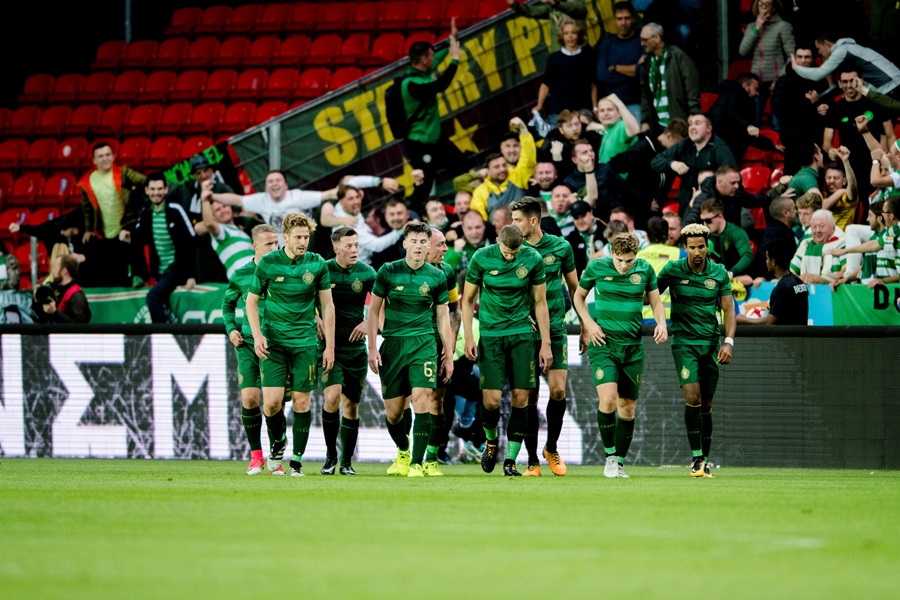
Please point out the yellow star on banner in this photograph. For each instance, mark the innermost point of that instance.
(462, 137)
(406, 180)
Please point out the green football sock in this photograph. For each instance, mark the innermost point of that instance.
(693, 422)
(421, 433)
(302, 422)
(607, 424)
(275, 425)
(437, 430)
(531, 433)
(515, 431)
(252, 420)
(707, 429)
(349, 434)
(489, 421)
(624, 433)
(397, 431)
(408, 420)
(331, 423)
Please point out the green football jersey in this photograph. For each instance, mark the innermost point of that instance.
(694, 300)
(559, 259)
(452, 293)
(291, 287)
(410, 296)
(506, 289)
(349, 288)
(619, 299)
(238, 288)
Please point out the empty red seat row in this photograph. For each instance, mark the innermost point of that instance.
(31, 190)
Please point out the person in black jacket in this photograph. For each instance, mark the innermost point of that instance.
(166, 228)
(734, 116)
(783, 213)
(726, 187)
(62, 301)
(587, 238)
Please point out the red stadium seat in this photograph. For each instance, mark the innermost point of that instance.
(345, 76)
(303, 18)
(26, 189)
(707, 100)
(206, 119)
(323, 50)
(173, 118)
(270, 110)
(313, 83)
(292, 51)
(738, 67)
(113, 120)
(386, 49)
(238, 117)
(746, 6)
(42, 215)
(23, 253)
(332, 18)
(213, 21)
(189, 86)
(280, 84)
(195, 145)
(273, 18)
(261, 51)
(396, 15)
(66, 88)
(231, 52)
(39, 154)
(489, 8)
(755, 179)
(158, 87)
(165, 152)
(71, 154)
(428, 15)
(249, 84)
(83, 119)
(755, 156)
(6, 183)
(10, 216)
(37, 88)
(772, 135)
(109, 54)
(11, 152)
(96, 87)
(246, 184)
(22, 121)
(128, 85)
(201, 53)
(143, 119)
(776, 175)
(52, 120)
(366, 17)
(133, 151)
(56, 190)
(243, 19)
(170, 54)
(419, 36)
(183, 21)
(354, 48)
(139, 54)
(220, 84)
(462, 10)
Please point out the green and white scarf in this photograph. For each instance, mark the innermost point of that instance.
(658, 87)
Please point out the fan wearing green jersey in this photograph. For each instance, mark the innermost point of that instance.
(698, 287)
(292, 281)
(265, 240)
(559, 264)
(351, 282)
(410, 291)
(511, 281)
(620, 282)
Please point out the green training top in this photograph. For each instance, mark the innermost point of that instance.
(410, 296)
(349, 288)
(452, 293)
(506, 295)
(559, 259)
(291, 287)
(619, 299)
(694, 300)
(238, 288)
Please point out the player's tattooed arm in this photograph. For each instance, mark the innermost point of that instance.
(730, 329)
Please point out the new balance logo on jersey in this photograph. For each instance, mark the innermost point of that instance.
(399, 288)
(607, 279)
(278, 279)
(685, 282)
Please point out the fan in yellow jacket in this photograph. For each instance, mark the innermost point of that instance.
(504, 184)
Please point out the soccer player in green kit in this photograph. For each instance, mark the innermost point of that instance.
(511, 280)
(559, 263)
(437, 445)
(697, 287)
(410, 290)
(265, 240)
(351, 281)
(292, 280)
(620, 283)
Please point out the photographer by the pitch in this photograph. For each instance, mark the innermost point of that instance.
(61, 301)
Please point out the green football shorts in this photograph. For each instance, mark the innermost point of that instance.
(619, 364)
(407, 363)
(248, 366)
(559, 346)
(510, 356)
(284, 362)
(349, 371)
(698, 364)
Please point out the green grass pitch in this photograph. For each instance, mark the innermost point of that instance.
(202, 529)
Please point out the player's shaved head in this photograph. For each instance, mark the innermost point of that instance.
(340, 233)
(257, 231)
(511, 237)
